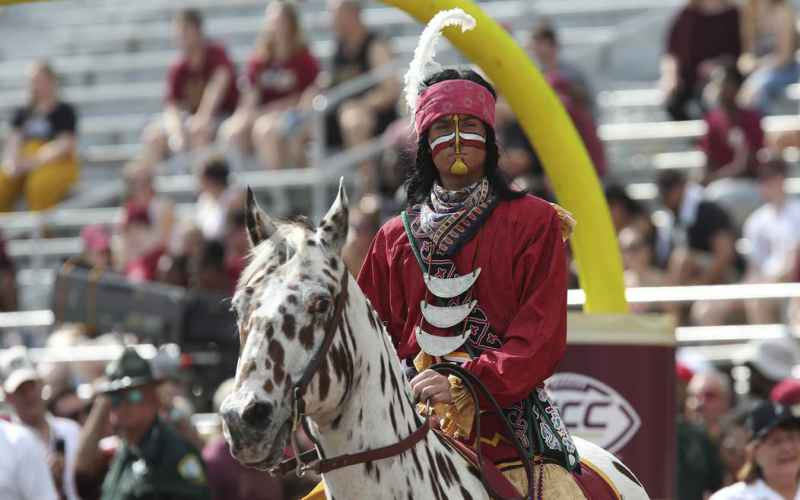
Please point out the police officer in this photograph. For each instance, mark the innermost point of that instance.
(153, 462)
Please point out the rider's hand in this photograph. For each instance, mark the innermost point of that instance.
(430, 385)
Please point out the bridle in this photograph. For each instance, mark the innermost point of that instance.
(303, 462)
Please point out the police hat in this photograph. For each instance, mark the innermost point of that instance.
(129, 370)
(767, 416)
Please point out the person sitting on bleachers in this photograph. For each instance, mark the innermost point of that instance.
(704, 34)
(639, 269)
(627, 212)
(359, 51)
(546, 49)
(572, 88)
(237, 244)
(201, 92)
(143, 253)
(40, 157)
(280, 69)
(734, 134)
(146, 227)
(365, 221)
(208, 273)
(216, 197)
(769, 41)
(771, 232)
(697, 245)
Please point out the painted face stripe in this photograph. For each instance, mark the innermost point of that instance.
(441, 147)
(469, 136)
(443, 139)
(474, 144)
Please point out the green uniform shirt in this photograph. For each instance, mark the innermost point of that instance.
(163, 466)
(699, 468)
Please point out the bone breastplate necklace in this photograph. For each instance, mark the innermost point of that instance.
(446, 316)
(440, 307)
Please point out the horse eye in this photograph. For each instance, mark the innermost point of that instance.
(318, 305)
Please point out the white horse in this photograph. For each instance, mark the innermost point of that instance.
(311, 344)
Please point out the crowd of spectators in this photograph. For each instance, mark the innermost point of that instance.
(731, 427)
(77, 430)
(725, 64)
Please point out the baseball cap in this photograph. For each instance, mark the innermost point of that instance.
(127, 371)
(767, 416)
(17, 368)
(96, 238)
(786, 392)
(683, 372)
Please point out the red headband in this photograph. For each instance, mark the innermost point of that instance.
(463, 97)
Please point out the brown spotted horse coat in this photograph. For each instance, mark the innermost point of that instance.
(358, 399)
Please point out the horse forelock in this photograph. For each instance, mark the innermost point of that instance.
(268, 252)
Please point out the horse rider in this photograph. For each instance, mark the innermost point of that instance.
(474, 272)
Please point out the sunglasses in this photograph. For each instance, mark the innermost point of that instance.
(131, 396)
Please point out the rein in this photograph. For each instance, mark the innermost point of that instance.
(303, 462)
(474, 385)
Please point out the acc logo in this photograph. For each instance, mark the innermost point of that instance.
(593, 411)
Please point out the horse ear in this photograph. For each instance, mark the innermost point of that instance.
(333, 228)
(260, 226)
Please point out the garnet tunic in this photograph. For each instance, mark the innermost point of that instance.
(521, 291)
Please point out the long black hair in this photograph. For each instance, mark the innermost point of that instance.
(422, 173)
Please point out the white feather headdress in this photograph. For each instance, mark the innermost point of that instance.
(423, 65)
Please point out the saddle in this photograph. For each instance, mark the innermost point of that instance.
(491, 474)
(588, 481)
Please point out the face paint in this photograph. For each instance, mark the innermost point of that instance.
(457, 139)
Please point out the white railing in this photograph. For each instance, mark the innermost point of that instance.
(106, 353)
(660, 294)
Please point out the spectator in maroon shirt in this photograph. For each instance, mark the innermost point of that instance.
(144, 265)
(583, 120)
(734, 135)
(278, 72)
(704, 34)
(201, 91)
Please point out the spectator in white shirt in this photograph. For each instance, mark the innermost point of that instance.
(23, 466)
(772, 469)
(57, 437)
(773, 237)
(216, 198)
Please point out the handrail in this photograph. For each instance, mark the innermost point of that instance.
(652, 96)
(661, 294)
(27, 319)
(648, 191)
(729, 334)
(105, 353)
(648, 131)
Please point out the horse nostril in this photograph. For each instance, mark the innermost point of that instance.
(257, 414)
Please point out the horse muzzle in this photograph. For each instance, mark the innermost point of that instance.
(249, 429)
